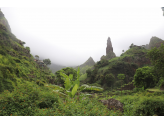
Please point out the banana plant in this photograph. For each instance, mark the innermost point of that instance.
(72, 87)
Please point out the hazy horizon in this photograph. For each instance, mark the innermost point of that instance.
(69, 36)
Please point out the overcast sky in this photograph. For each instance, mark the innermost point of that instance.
(69, 36)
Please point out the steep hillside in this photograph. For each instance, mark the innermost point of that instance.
(4, 22)
(16, 62)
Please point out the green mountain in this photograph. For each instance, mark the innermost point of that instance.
(127, 64)
(86, 65)
(26, 89)
(16, 62)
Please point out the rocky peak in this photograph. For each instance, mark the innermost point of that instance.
(90, 62)
(153, 41)
(109, 51)
(109, 47)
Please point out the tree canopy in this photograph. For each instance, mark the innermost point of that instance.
(47, 61)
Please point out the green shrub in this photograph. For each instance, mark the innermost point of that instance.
(39, 83)
(161, 82)
(137, 89)
(150, 106)
(145, 77)
(118, 83)
(25, 100)
(2, 52)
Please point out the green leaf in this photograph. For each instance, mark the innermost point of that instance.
(67, 84)
(74, 90)
(81, 88)
(70, 76)
(64, 75)
(86, 87)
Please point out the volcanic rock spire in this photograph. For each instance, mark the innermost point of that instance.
(109, 47)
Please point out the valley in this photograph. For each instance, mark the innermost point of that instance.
(129, 85)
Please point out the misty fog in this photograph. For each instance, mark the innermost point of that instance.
(69, 36)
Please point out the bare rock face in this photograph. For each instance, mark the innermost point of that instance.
(154, 41)
(157, 45)
(109, 47)
(109, 51)
(113, 104)
(110, 55)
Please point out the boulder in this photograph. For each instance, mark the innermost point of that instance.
(113, 104)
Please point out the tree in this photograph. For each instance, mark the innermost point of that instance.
(37, 57)
(121, 77)
(157, 59)
(131, 45)
(47, 61)
(145, 77)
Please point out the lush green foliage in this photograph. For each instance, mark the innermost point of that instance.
(121, 76)
(156, 59)
(109, 79)
(145, 77)
(25, 90)
(83, 77)
(102, 63)
(88, 72)
(71, 87)
(67, 71)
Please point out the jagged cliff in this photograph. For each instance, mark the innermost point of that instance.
(154, 42)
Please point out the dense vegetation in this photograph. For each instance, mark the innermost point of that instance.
(29, 89)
